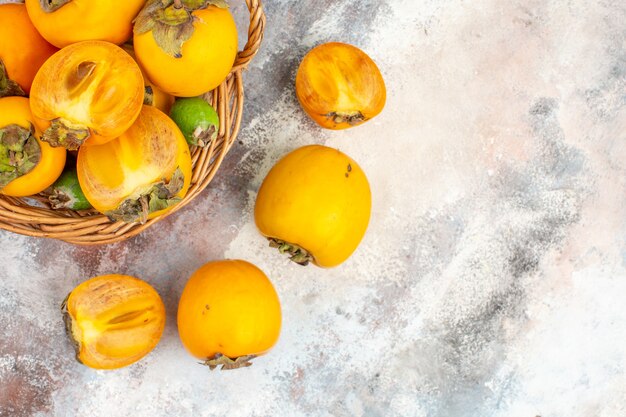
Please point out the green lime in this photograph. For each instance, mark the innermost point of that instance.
(66, 192)
(197, 120)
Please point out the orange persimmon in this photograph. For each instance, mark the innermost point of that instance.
(63, 22)
(228, 313)
(339, 86)
(194, 58)
(22, 50)
(113, 320)
(27, 165)
(141, 174)
(153, 96)
(89, 91)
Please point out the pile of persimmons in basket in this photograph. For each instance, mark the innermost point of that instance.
(100, 104)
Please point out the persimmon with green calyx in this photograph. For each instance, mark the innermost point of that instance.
(339, 86)
(66, 193)
(27, 165)
(197, 120)
(89, 92)
(113, 320)
(187, 47)
(315, 205)
(229, 313)
(22, 50)
(141, 174)
(64, 22)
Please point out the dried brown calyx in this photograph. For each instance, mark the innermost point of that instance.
(8, 87)
(19, 152)
(227, 363)
(352, 119)
(171, 21)
(69, 328)
(66, 134)
(157, 197)
(50, 6)
(297, 254)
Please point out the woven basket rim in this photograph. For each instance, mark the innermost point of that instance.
(32, 216)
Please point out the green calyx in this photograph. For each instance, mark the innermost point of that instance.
(353, 119)
(157, 197)
(298, 255)
(50, 6)
(65, 134)
(227, 363)
(19, 152)
(8, 87)
(171, 22)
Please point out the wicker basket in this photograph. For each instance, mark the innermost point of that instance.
(33, 216)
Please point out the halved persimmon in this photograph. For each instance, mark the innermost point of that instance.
(139, 175)
(22, 50)
(88, 92)
(339, 86)
(113, 320)
(63, 22)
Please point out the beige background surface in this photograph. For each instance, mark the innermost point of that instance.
(491, 281)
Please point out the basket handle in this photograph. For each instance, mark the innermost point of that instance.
(255, 35)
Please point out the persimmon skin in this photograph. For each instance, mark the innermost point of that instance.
(106, 101)
(148, 152)
(114, 320)
(23, 50)
(317, 198)
(339, 86)
(16, 110)
(207, 57)
(160, 99)
(82, 20)
(228, 307)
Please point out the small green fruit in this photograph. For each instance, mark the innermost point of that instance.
(66, 193)
(197, 120)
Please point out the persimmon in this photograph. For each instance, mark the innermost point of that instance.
(315, 205)
(113, 320)
(187, 47)
(228, 313)
(153, 95)
(141, 174)
(22, 50)
(89, 92)
(27, 165)
(64, 22)
(339, 86)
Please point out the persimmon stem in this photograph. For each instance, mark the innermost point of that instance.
(297, 254)
(178, 4)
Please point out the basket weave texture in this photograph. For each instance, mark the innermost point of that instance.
(33, 216)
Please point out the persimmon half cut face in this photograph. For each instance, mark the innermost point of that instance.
(113, 320)
(339, 86)
(141, 174)
(89, 92)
